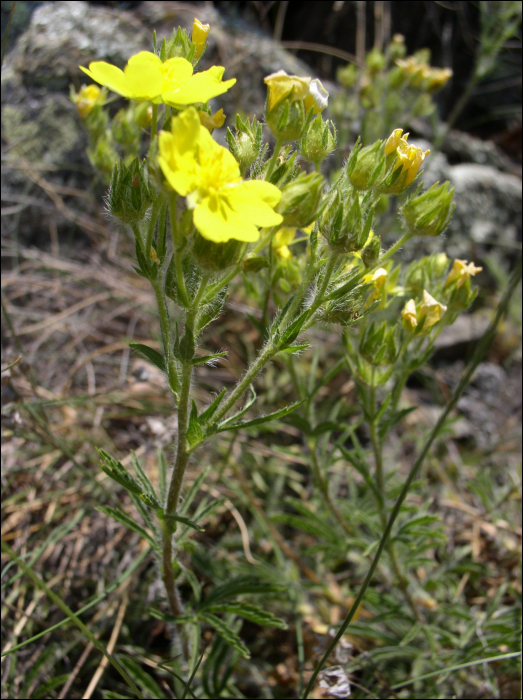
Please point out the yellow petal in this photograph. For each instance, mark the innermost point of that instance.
(199, 36)
(217, 222)
(144, 79)
(200, 87)
(248, 200)
(107, 75)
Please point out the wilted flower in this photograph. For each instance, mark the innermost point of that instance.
(224, 206)
(312, 92)
(462, 271)
(409, 315)
(86, 99)
(430, 310)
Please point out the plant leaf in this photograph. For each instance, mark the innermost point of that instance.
(150, 354)
(126, 520)
(250, 612)
(204, 359)
(186, 521)
(226, 633)
(262, 419)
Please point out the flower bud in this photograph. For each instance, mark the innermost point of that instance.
(103, 157)
(429, 214)
(179, 45)
(300, 200)
(130, 195)
(372, 251)
(125, 130)
(216, 256)
(348, 75)
(375, 61)
(247, 143)
(344, 225)
(85, 100)
(378, 345)
(143, 114)
(365, 165)
(318, 141)
(287, 119)
(199, 37)
(397, 48)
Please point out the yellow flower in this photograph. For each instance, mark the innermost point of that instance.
(282, 240)
(208, 175)
(146, 78)
(212, 122)
(312, 92)
(462, 271)
(199, 36)
(86, 99)
(409, 315)
(377, 278)
(431, 310)
(408, 157)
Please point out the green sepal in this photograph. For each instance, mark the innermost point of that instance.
(194, 431)
(206, 415)
(293, 349)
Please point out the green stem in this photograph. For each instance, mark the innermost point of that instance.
(324, 487)
(241, 387)
(175, 233)
(377, 448)
(152, 224)
(274, 158)
(479, 354)
(165, 327)
(154, 120)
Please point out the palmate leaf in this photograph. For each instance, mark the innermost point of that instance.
(126, 520)
(250, 612)
(226, 633)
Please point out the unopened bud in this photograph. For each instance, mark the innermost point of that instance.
(199, 37)
(365, 165)
(130, 194)
(300, 201)
(429, 214)
(318, 141)
(372, 251)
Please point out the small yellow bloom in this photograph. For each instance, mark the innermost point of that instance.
(224, 206)
(312, 92)
(282, 240)
(199, 36)
(86, 99)
(408, 156)
(462, 271)
(438, 78)
(212, 122)
(394, 141)
(409, 315)
(146, 78)
(431, 310)
(378, 279)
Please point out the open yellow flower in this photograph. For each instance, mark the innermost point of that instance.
(225, 206)
(431, 310)
(462, 271)
(146, 78)
(312, 92)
